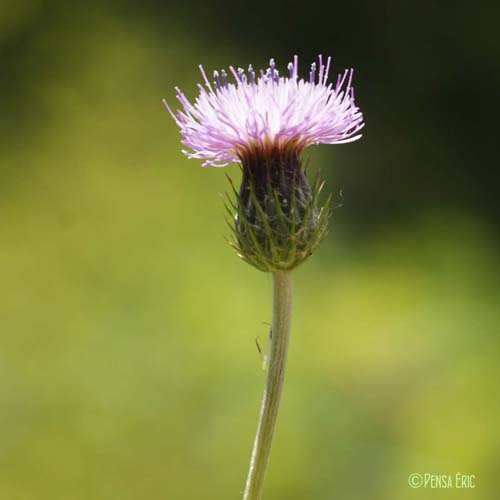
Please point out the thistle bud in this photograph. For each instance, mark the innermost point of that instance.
(276, 218)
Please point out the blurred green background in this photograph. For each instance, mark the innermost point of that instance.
(128, 366)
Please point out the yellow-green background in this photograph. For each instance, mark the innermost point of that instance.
(128, 366)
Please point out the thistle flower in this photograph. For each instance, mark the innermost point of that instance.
(266, 112)
(263, 122)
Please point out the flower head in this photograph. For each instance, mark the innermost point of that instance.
(265, 114)
(264, 121)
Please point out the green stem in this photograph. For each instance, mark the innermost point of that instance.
(282, 309)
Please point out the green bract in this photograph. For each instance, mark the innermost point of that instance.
(276, 220)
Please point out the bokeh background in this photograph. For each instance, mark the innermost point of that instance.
(128, 366)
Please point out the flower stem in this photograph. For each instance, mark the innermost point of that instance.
(282, 309)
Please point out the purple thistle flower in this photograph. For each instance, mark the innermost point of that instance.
(277, 219)
(267, 114)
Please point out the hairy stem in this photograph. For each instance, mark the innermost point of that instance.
(282, 308)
